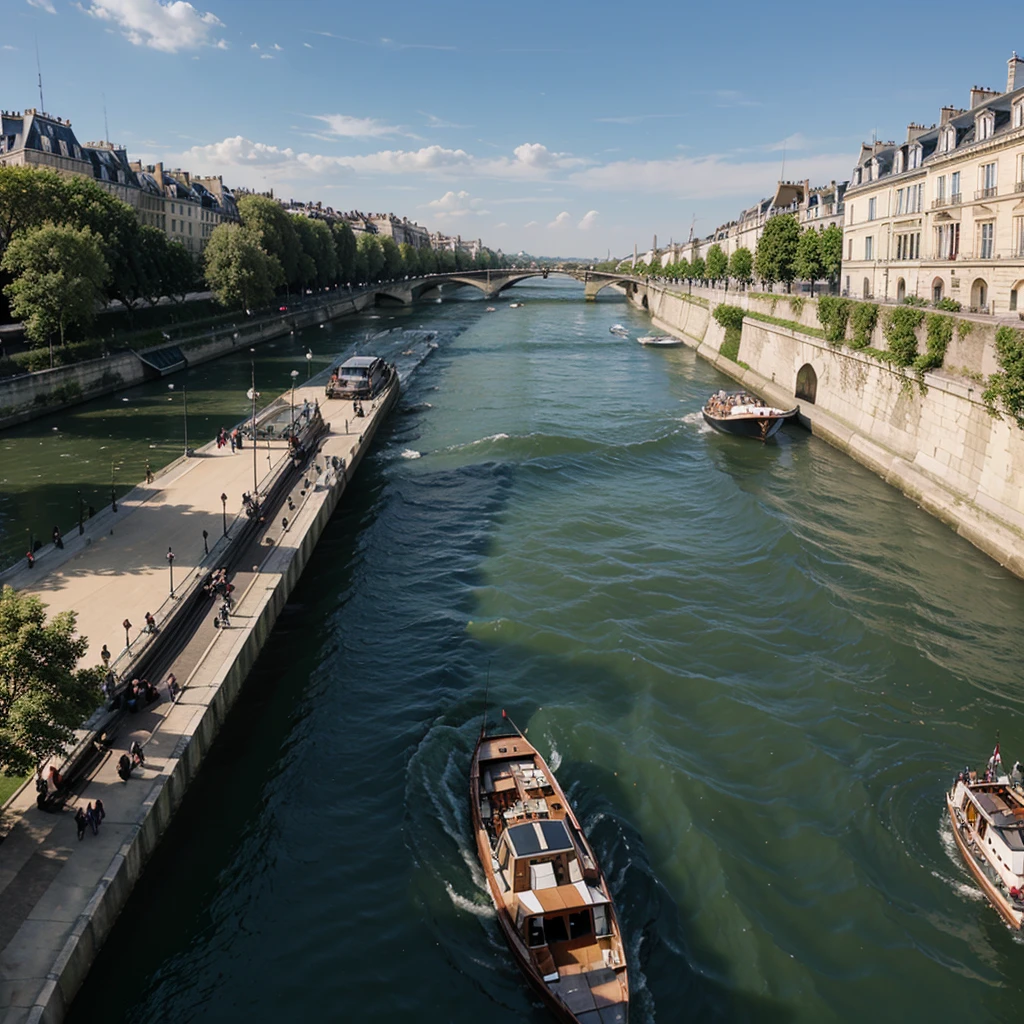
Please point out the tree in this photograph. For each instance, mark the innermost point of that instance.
(698, 271)
(831, 246)
(392, 258)
(345, 249)
(776, 251)
(59, 274)
(274, 231)
(807, 265)
(306, 274)
(428, 261)
(43, 696)
(181, 274)
(741, 265)
(238, 271)
(716, 264)
(410, 259)
(683, 269)
(28, 198)
(373, 255)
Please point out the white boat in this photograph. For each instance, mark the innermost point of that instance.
(618, 330)
(514, 305)
(987, 816)
(490, 309)
(659, 341)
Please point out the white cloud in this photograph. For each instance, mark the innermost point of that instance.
(255, 46)
(308, 46)
(43, 5)
(346, 126)
(7, 47)
(266, 56)
(530, 224)
(501, 225)
(166, 26)
(439, 122)
(589, 219)
(278, 47)
(561, 220)
(240, 152)
(453, 205)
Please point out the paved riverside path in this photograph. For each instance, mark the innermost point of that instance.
(53, 886)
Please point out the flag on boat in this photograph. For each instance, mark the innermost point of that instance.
(995, 758)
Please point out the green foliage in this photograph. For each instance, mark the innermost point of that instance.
(831, 250)
(698, 271)
(950, 305)
(775, 259)
(914, 300)
(683, 269)
(793, 325)
(796, 304)
(940, 333)
(392, 259)
(900, 329)
(729, 316)
(238, 270)
(59, 273)
(964, 328)
(731, 344)
(43, 696)
(716, 265)
(1006, 386)
(373, 256)
(863, 318)
(833, 314)
(345, 250)
(741, 265)
(807, 263)
(274, 231)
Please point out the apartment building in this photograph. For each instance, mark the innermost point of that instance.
(941, 215)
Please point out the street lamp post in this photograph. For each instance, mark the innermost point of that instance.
(252, 396)
(184, 402)
(293, 375)
(224, 510)
(127, 639)
(170, 567)
(309, 362)
(206, 545)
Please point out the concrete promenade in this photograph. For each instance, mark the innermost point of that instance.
(59, 896)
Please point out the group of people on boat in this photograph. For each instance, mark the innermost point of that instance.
(721, 403)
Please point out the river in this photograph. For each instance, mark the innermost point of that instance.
(754, 668)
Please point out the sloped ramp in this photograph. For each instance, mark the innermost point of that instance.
(162, 361)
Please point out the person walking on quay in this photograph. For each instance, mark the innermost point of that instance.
(99, 812)
(80, 822)
(149, 473)
(124, 767)
(150, 623)
(234, 440)
(91, 819)
(58, 541)
(105, 657)
(138, 758)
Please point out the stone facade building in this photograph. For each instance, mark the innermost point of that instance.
(941, 215)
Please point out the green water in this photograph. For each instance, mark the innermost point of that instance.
(755, 670)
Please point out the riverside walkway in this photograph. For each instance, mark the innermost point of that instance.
(59, 896)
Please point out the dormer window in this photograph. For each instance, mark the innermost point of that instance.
(947, 141)
(985, 126)
(897, 165)
(1018, 115)
(915, 157)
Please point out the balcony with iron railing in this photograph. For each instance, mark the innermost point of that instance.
(956, 199)
(987, 193)
(939, 202)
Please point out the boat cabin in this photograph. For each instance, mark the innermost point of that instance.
(358, 377)
(994, 813)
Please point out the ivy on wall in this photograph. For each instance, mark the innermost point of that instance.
(833, 313)
(900, 329)
(731, 318)
(863, 320)
(939, 330)
(1006, 386)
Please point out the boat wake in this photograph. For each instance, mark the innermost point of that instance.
(410, 453)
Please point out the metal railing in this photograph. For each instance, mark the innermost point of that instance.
(940, 202)
(986, 193)
(956, 199)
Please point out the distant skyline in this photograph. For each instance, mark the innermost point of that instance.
(565, 128)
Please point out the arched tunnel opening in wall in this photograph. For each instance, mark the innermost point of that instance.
(644, 302)
(806, 383)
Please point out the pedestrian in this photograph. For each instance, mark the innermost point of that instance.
(31, 559)
(109, 686)
(234, 440)
(57, 540)
(138, 758)
(149, 473)
(150, 623)
(99, 812)
(90, 817)
(172, 688)
(124, 767)
(80, 823)
(105, 657)
(307, 410)
(56, 779)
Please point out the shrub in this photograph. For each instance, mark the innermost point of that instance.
(731, 318)
(964, 328)
(940, 333)
(900, 332)
(796, 303)
(833, 314)
(914, 300)
(1007, 385)
(950, 305)
(863, 318)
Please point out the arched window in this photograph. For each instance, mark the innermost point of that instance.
(867, 289)
(937, 289)
(901, 290)
(979, 295)
(806, 384)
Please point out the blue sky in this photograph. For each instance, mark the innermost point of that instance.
(562, 128)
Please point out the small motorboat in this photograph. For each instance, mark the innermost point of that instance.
(551, 896)
(514, 305)
(618, 330)
(987, 815)
(744, 415)
(659, 341)
(491, 309)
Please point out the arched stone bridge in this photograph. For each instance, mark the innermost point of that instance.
(492, 282)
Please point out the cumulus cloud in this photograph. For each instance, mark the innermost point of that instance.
(255, 46)
(165, 26)
(278, 47)
(588, 221)
(530, 224)
(43, 5)
(266, 56)
(561, 220)
(457, 204)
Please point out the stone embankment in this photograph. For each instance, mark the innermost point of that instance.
(37, 394)
(59, 897)
(931, 435)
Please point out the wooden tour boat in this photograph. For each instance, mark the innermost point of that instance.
(551, 896)
(987, 816)
(361, 377)
(744, 415)
(659, 341)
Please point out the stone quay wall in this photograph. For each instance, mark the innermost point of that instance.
(38, 394)
(935, 439)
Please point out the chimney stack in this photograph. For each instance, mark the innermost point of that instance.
(915, 131)
(980, 95)
(1014, 73)
(948, 113)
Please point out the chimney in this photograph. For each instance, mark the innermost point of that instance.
(948, 113)
(915, 131)
(158, 174)
(1014, 73)
(980, 94)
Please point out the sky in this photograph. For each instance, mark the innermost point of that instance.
(558, 128)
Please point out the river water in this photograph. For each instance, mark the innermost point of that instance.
(754, 668)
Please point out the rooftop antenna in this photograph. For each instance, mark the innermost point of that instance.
(106, 127)
(39, 72)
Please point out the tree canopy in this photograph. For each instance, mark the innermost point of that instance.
(741, 265)
(44, 697)
(716, 264)
(807, 265)
(775, 258)
(238, 270)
